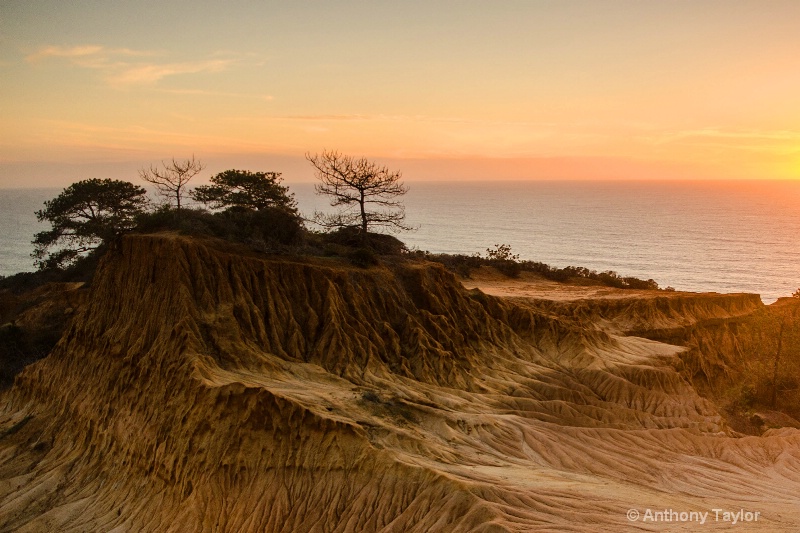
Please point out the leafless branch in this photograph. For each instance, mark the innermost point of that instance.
(171, 178)
(355, 185)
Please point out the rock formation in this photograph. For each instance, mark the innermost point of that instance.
(201, 388)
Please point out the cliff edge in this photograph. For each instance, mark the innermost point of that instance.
(199, 388)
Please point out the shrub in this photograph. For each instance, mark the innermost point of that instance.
(501, 258)
(270, 225)
(265, 229)
(352, 237)
(501, 252)
(362, 257)
(636, 283)
(504, 260)
(458, 263)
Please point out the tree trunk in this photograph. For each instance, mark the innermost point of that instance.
(363, 218)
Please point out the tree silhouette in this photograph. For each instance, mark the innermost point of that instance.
(245, 189)
(366, 193)
(172, 178)
(85, 215)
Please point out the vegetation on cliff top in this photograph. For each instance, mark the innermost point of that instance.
(256, 210)
(85, 215)
(367, 194)
(172, 178)
(504, 260)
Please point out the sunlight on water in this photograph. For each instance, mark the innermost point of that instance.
(699, 236)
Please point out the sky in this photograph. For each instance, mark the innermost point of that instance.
(439, 90)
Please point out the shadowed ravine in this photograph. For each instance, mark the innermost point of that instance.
(199, 389)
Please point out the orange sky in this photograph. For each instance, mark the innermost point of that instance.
(439, 90)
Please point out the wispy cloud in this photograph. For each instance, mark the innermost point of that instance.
(64, 51)
(88, 56)
(125, 139)
(384, 117)
(776, 141)
(430, 119)
(151, 73)
(314, 118)
(123, 67)
(729, 134)
(202, 92)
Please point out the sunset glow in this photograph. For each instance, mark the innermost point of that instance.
(454, 90)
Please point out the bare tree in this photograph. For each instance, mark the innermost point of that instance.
(366, 193)
(172, 178)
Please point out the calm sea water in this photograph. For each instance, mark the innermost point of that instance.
(697, 236)
(18, 224)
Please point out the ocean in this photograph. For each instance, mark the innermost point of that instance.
(694, 236)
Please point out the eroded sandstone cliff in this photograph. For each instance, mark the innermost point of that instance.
(200, 389)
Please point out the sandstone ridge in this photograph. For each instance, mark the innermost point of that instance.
(201, 389)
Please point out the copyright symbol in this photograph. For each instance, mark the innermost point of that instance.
(633, 515)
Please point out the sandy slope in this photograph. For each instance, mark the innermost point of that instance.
(532, 285)
(202, 390)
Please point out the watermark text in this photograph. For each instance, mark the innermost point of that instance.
(732, 517)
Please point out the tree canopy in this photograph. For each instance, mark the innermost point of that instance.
(85, 215)
(172, 178)
(245, 189)
(366, 193)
